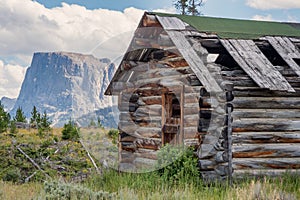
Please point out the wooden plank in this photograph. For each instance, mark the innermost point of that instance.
(287, 50)
(171, 23)
(242, 63)
(256, 65)
(266, 137)
(194, 61)
(266, 150)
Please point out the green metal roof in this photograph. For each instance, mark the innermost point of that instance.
(238, 29)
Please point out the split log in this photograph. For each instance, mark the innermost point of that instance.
(194, 81)
(127, 157)
(149, 143)
(190, 132)
(191, 120)
(151, 100)
(127, 116)
(265, 137)
(192, 142)
(191, 98)
(164, 72)
(146, 153)
(150, 21)
(128, 146)
(191, 109)
(266, 113)
(259, 92)
(246, 81)
(266, 163)
(265, 124)
(149, 132)
(266, 150)
(150, 110)
(128, 138)
(210, 164)
(267, 102)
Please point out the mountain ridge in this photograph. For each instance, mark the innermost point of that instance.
(67, 86)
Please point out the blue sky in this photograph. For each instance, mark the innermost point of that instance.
(102, 28)
(287, 10)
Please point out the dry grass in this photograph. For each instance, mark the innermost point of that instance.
(10, 191)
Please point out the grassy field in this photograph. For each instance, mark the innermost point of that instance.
(50, 151)
(150, 186)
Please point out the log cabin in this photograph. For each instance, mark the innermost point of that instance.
(229, 88)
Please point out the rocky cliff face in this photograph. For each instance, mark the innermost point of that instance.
(67, 86)
(8, 103)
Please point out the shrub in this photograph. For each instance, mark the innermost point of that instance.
(177, 164)
(60, 190)
(113, 134)
(12, 174)
(70, 131)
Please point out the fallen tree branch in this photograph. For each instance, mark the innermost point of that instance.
(90, 157)
(32, 161)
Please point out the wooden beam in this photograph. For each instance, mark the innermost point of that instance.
(287, 50)
(194, 61)
(182, 101)
(256, 65)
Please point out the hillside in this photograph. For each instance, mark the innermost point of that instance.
(55, 157)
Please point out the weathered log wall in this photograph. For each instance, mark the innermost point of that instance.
(266, 125)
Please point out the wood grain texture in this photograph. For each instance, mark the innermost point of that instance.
(287, 50)
(256, 65)
(194, 61)
(266, 150)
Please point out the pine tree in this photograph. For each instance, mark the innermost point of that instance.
(20, 116)
(13, 128)
(4, 119)
(34, 116)
(70, 131)
(99, 124)
(45, 121)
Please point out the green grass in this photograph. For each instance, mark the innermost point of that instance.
(151, 186)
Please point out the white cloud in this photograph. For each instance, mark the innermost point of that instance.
(273, 4)
(263, 18)
(11, 78)
(166, 10)
(27, 26)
